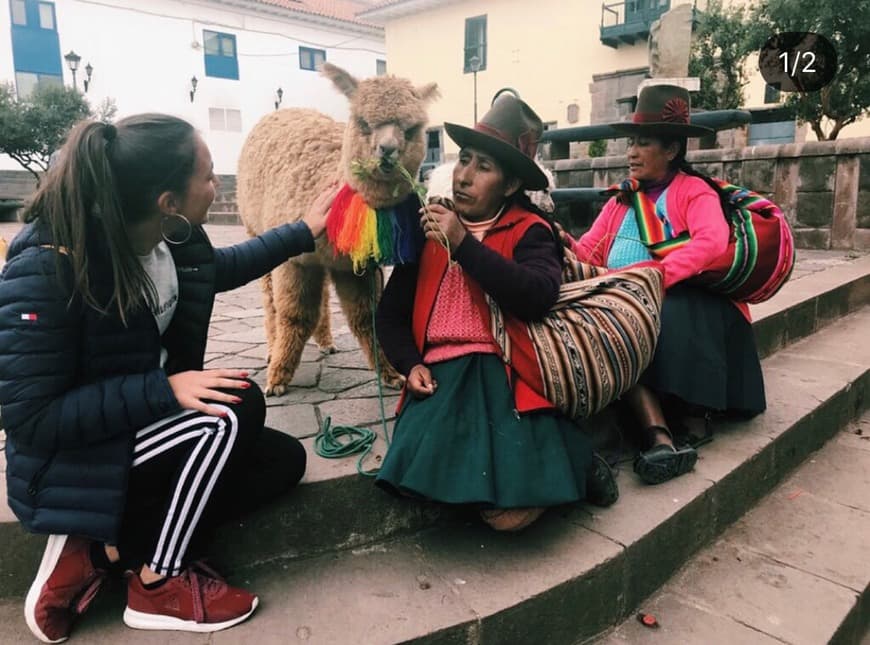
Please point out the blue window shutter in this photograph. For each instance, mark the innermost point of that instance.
(34, 49)
(221, 57)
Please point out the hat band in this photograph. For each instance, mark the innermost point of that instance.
(493, 132)
(658, 117)
(527, 142)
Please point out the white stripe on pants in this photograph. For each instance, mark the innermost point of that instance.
(212, 440)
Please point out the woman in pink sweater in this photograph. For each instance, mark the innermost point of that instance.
(705, 360)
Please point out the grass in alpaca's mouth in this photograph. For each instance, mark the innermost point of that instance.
(374, 169)
(365, 170)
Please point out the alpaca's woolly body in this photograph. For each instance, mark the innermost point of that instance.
(290, 157)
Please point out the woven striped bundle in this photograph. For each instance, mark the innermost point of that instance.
(760, 254)
(598, 338)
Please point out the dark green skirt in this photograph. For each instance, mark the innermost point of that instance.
(465, 445)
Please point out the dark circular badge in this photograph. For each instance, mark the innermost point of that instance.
(795, 61)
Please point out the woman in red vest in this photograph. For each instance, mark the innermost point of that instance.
(472, 430)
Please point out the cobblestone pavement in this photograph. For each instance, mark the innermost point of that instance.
(339, 385)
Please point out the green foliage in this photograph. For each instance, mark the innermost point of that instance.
(847, 26)
(720, 45)
(597, 148)
(31, 129)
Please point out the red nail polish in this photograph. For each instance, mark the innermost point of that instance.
(245, 386)
(236, 400)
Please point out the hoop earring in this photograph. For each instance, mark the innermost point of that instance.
(174, 227)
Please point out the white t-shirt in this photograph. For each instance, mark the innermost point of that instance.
(160, 267)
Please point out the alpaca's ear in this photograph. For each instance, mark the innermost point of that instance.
(428, 92)
(345, 83)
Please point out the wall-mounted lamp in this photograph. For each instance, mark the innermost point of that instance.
(89, 70)
(72, 59)
(280, 94)
(193, 83)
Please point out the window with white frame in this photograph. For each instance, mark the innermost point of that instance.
(225, 119)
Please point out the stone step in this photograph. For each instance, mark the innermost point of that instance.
(571, 576)
(793, 570)
(334, 508)
(224, 217)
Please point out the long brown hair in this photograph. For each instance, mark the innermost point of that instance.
(107, 178)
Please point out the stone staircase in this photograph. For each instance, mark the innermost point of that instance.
(794, 569)
(224, 209)
(338, 561)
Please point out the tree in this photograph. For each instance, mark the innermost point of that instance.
(31, 129)
(847, 27)
(720, 45)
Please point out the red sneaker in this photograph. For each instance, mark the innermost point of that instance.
(191, 602)
(64, 587)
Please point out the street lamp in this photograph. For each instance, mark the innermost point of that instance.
(89, 70)
(193, 83)
(474, 64)
(280, 94)
(72, 59)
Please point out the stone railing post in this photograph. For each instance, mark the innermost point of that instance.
(844, 220)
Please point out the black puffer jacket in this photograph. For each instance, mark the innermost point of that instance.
(76, 385)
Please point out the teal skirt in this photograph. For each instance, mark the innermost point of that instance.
(466, 445)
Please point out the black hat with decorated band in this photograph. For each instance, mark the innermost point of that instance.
(509, 132)
(662, 110)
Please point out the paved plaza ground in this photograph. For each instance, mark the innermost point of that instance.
(340, 385)
(352, 562)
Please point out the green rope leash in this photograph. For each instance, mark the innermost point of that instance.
(343, 441)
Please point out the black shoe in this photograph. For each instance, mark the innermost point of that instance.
(601, 488)
(664, 462)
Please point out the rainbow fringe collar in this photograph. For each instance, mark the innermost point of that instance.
(382, 236)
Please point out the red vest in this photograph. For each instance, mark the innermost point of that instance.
(525, 375)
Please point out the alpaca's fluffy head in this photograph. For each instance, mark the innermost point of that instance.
(386, 128)
(440, 184)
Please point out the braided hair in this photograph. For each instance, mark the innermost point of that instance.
(681, 164)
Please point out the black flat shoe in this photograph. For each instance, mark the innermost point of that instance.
(663, 462)
(601, 488)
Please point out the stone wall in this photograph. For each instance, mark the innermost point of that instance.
(823, 187)
(20, 185)
(16, 184)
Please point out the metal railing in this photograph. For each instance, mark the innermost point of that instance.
(629, 12)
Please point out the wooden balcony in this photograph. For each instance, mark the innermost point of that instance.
(629, 21)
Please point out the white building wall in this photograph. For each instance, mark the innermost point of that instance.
(144, 54)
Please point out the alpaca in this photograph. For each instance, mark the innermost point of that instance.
(292, 155)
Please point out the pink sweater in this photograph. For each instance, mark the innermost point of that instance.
(692, 205)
